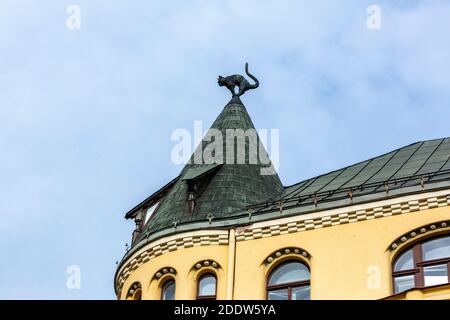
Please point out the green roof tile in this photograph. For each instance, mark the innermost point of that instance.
(232, 187)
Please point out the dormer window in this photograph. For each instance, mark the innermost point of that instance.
(149, 212)
(197, 178)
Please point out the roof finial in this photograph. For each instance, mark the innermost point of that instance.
(237, 80)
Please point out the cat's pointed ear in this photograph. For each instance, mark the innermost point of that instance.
(220, 77)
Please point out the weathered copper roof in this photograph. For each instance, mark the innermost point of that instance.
(417, 164)
(234, 191)
(231, 186)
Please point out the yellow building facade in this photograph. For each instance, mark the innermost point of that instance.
(379, 229)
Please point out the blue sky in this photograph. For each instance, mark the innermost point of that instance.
(86, 115)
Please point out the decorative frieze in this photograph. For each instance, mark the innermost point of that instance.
(291, 251)
(134, 287)
(343, 218)
(442, 225)
(165, 247)
(163, 271)
(205, 264)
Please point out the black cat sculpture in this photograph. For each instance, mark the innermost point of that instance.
(237, 80)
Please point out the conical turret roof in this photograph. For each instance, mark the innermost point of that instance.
(218, 190)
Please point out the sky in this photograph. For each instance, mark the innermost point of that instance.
(86, 114)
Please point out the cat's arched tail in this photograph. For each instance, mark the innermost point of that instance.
(252, 86)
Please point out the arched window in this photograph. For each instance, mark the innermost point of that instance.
(168, 290)
(289, 281)
(134, 292)
(207, 287)
(426, 263)
(137, 295)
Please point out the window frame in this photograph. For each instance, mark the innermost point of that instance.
(137, 295)
(418, 264)
(209, 297)
(145, 223)
(165, 284)
(289, 285)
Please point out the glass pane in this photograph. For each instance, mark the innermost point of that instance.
(289, 272)
(403, 283)
(150, 212)
(169, 291)
(435, 275)
(207, 286)
(436, 249)
(405, 261)
(301, 293)
(281, 294)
